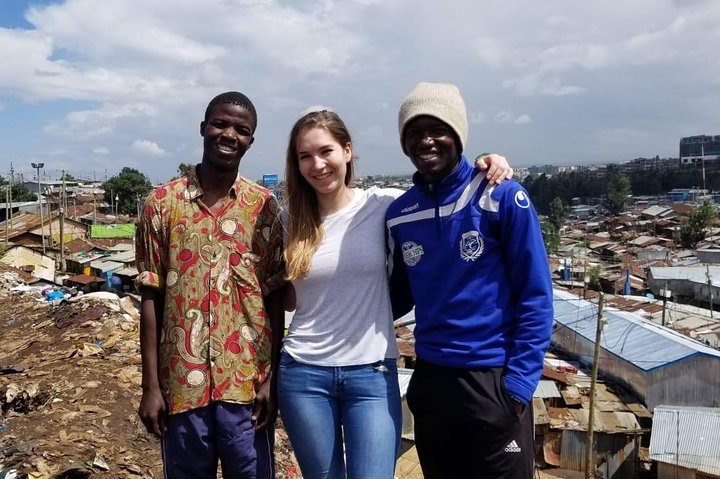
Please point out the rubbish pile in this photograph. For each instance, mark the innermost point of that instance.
(70, 387)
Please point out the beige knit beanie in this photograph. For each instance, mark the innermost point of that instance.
(439, 100)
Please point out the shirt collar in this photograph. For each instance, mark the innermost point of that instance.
(194, 190)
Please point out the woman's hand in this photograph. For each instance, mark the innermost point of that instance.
(497, 167)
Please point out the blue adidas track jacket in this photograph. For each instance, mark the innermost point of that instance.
(470, 257)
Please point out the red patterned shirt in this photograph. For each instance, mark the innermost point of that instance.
(213, 270)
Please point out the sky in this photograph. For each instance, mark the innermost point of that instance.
(90, 87)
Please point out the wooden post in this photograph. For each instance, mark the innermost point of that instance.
(589, 456)
(665, 295)
(710, 286)
(62, 224)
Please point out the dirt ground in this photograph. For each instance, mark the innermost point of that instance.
(70, 389)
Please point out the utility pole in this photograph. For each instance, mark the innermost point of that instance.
(49, 215)
(62, 223)
(665, 297)
(94, 199)
(38, 166)
(12, 182)
(710, 286)
(7, 214)
(589, 461)
(702, 155)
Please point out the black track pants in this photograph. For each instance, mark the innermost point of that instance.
(466, 426)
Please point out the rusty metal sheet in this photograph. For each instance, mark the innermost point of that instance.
(540, 412)
(610, 406)
(562, 418)
(626, 421)
(638, 409)
(550, 373)
(572, 396)
(551, 447)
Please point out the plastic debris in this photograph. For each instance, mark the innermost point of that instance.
(98, 462)
(8, 473)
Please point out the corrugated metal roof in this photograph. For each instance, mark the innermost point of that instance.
(687, 436)
(105, 266)
(696, 274)
(123, 256)
(546, 389)
(603, 421)
(655, 211)
(85, 279)
(644, 344)
(128, 271)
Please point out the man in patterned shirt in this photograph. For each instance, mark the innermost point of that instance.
(209, 250)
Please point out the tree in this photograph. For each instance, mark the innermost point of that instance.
(618, 190)
(551, 237)
(67, 177)
(694, 228)
(593, 276)
(128, 186)
(185, 168)
(559, 211)
(20, 193)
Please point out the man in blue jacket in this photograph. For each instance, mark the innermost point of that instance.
(469, 255)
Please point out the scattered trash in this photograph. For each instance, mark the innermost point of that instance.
(97, 462)
(87, 349)
(133, 469)
(89, 413)
(8, 473)
(74, 473)
(17, 368)
(23, 399)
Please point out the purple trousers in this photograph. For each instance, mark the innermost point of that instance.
(198, 438)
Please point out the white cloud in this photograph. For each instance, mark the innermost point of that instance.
(147, 148)
(143, 70)
(478, 118)
(505, 116)
(101, 151)
(523, 120)
(314, 108)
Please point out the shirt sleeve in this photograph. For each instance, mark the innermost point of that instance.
(150, 250)
(531, 288)
(268, 245)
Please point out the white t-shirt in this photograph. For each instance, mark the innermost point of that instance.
(343, 315)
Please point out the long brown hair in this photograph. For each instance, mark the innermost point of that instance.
(304, 228)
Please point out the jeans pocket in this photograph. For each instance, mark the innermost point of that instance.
(286, 360)
(386, 366)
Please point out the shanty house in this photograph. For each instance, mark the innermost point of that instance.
(659, 365)
(685, 442)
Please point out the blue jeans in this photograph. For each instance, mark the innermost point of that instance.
(326, 408)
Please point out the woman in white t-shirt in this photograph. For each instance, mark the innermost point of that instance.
(337, 387)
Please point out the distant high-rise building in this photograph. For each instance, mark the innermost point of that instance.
(695, 149)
